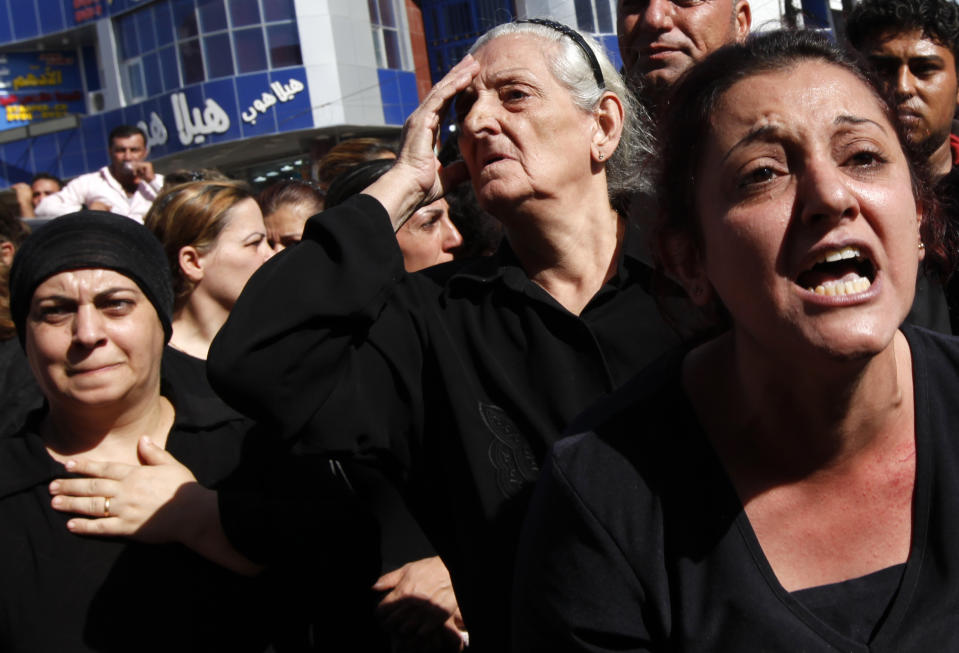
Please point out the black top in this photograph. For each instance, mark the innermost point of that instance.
(453, 381)
(19, 392)
(637, 541)
(64, 592)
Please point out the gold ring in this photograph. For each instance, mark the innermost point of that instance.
(106, 506)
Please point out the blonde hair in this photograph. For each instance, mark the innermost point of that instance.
(192, 214)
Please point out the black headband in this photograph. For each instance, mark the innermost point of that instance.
(578, 39)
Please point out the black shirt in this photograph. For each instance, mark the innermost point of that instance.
(453, 381)
(637, 541)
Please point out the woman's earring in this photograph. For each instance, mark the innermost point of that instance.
(922, 245)
(601, 155)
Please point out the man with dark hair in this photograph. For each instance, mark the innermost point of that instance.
(127, 186)
(912, 45)
(30, 195)
(660, 39)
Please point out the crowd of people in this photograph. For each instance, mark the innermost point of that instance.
(672, 373)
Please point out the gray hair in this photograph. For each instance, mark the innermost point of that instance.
(633, 156)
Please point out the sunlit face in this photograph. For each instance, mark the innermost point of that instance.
(521, 136)
(130, 149)
(809, 225)
(239, 250)
(42, 188)
(284, 227)
(921, 74)
(94, 339)
(428, 237)
(660, 39)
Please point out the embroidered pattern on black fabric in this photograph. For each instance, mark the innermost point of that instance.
(509, 453)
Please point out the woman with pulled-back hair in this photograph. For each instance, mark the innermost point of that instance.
(449, 384)
(791, 483)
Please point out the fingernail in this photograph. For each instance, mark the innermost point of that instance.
(71, 525)
(54, 486)
(70, 464)
(56, 502)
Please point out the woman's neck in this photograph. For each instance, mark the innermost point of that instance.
(106, 432)
(196, 324)
(569, 249)
(792, 419)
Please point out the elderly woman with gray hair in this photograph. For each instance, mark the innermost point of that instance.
(442, 390)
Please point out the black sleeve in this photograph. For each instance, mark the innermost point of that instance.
(323, 347)
(306, 328)
(574, 589)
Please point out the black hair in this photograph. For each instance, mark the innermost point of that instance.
(938, 20)
(47, 175)
(685, 122)
(355, 180)
(125, 131)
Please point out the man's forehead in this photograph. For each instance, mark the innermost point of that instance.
(907, 40)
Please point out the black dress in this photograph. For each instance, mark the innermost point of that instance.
(452, 382)
(64, 592)
(637, 541)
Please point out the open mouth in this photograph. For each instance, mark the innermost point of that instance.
(843, 271)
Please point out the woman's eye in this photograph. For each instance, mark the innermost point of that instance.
(866, 158)
(53, 313)
(514, 95)
(757, 176)
(118, 306)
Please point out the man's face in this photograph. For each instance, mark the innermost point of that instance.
(41, 188)
(920, 73)
(122, 150)
(660, 39)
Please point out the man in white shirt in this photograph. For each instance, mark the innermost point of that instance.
(127, 186)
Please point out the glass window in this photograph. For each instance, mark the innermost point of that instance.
(387, 15)
(191, 61)
(148, 39)
(135, 87)
(164, 23)
(167, 45)
(584, 16)
(604, 14)
(250, 50)
(169, 68)
(284, 45)
(278, 10)
(245, 12)
(391, 42)
(127, 33)
(212, 15)
(219, 58)
(387, 43)
(151, 71)
(184, 18)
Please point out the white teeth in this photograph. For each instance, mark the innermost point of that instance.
(838, 255)
(832, 288)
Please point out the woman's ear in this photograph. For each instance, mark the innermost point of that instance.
(609, 127)
(683, 262)
(191, 263)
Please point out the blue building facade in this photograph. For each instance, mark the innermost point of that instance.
(196, 75)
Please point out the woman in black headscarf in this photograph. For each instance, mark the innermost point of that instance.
(91, 298)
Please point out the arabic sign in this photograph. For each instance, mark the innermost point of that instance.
(38, 86)
(87, 10)
(224, 110)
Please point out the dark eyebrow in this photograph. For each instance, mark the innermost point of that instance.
(919, 58)
(754, 134)
(846, 119)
